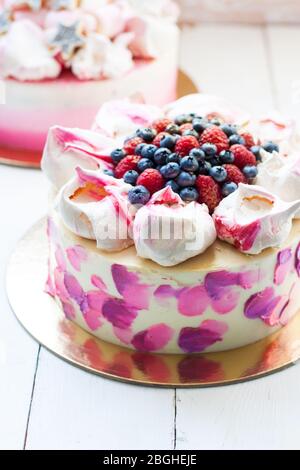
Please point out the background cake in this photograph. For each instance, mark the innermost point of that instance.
(62, 59)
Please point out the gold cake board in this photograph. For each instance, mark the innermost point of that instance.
(31, 159)
(43, 319)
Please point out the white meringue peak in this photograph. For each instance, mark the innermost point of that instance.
(253, 219)
(67, 148)
(168, 231)
(95, 206)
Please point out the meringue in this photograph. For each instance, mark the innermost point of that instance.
(253, 219)
(66, 149)
(95, 206)
(168, 231)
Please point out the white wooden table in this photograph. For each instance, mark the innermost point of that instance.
(48, 404)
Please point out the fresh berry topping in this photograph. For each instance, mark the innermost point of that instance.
(146, 134)
(185, 144)
(209, 191)
(226, 156)
(270, 147)
(159, 138)
(229, 188)
(234, 174)
(256, 152)
(160, 125)
(192, 133)
(174, 157)
(189, 164)
(139, 149)
(128, 163)
(228, 129)
(139, 195)
(173, 129)
(148, 151)
(250, 171)
(200, 125)
(218, 173)
(249, 140)
(168, 142)
(204, 168)
(215, 122)
(186, 127)
(170, 170)
(152, 180)
(161, 155)
(215, 161)
(117, 155)
(189, 194)
(131, 144)
(185, 179)
(173, 185)
(144, 164)
(242, 156)
(236, 139)
(209, 149)
(215, 135)
(198, 154)
(183, 119)
(131, 177)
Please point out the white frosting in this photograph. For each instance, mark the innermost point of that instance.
(66, 149)
(168, 231)
(253, 219)
(108, 220)
(159, 8)
(25, 54)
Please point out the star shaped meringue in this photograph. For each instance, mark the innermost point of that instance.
(5, 21)
(67, 40)
(63, 4)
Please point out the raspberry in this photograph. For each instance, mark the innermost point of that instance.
(131, 145)
(242, 156)
(160, 125)
(152, 180)
(185, 144)
(128, 163)
(249, 140)
(215, 135)
(234, 174)
(186, 127)
(209, 190)
(158, 138)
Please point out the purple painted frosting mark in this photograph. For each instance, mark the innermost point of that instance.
(93, 319)
(60, 258)
(262, 304)
(98, 283)
(129, 286)
(69, 310)
(297, 260)
(74, 289)
(76, 255)
(193, 301)
(227, 303)
(118, 313)
(153, 339)
(217, 283)
(283, 266)
(60, 288)
(198, 339)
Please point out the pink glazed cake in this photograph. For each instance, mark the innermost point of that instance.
(179, 234)
(61, 59)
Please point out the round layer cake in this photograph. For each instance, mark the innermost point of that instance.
(74, 58)
(232, 276)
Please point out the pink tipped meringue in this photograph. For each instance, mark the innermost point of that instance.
(168, 231)
(253, 219)
(66, 149)
(95, 206)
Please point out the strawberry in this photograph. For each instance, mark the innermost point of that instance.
(158, 138)
(242, 156)
(186, 127)
(249, 140)
(215, 135)
(160, 125)
(131, 145)
(152, 180)
(234, 174)
(128, 163)
(185, 144)
(209, 190)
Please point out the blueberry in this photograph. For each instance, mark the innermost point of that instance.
(144, 164)
(256, 152)
(173, 185)
(209, 149)
(198, 154)
(200, 125)
(174, 157)
(189, 164)
(117, 155)
(228, 129)
(189, 194)
(130, 177)
(215, 161)
(146, 134)
(218, 173)
(139, 195)
(226, 156)
(215, 122)
(139, 149)
(172, 129)
(161, 155)
(250, 171)
(109, 172)
(185, 179)
(183, 119)
(236, 139)
(191, 132)
(204, 168)
(271, 147)
(170, 170)
(229, 188)
(148, 151)
(168, 142)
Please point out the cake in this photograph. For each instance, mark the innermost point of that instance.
(61, 59)
(175, 229)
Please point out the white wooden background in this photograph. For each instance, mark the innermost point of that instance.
(48, 404)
